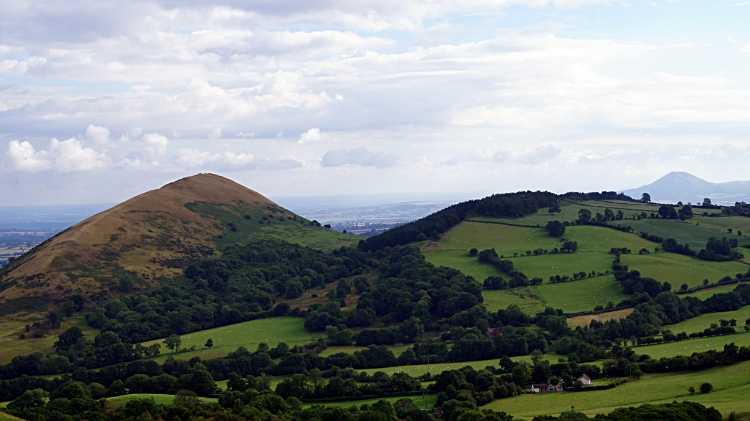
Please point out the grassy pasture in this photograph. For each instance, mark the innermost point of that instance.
(118, 401)
(397, 350)
(684, 232)
(690, 346)
(709, 292)
(11, 327)
(569, 212)
(418, 370)
(698, 324)
(721, 224)
(6, 417)
(678, 269)
(427, 401)
(248, 334)
(731, 386)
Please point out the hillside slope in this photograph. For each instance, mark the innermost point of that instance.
(149, 239)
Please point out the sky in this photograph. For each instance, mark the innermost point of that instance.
(103, 100)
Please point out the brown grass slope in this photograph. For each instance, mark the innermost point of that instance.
(139, 239)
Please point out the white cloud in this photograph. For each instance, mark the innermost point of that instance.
(214, 134)
(193, 159)
(97, 134)
(312, 135)
(23, 157)
(359, 157)
(155, 144)
(64, 157)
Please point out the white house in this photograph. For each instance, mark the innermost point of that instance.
(586, 380)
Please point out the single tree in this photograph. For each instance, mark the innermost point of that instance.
(209, 343)
(173, 342)
(706, 387)
(691, 389)
(646, 198)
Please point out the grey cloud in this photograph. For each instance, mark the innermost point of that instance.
(360, 156)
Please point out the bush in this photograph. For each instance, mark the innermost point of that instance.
(706, 387)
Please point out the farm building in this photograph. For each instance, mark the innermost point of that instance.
(545, 388)
(586, 380)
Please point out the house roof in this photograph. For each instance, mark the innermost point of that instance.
(585, 376)
(538, 385)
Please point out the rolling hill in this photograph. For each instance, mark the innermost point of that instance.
(148, 240)
(681, 186)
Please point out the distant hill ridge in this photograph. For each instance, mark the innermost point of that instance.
(685, 187)
(143, 241)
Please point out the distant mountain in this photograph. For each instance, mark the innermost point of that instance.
(149, 240)
(681, 186)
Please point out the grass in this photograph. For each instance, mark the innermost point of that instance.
(418, 370)
(709, 292)
(397, 350)
(571, 297)
(731, 387)
(427, 401)
(569, 212)
(12, 346)
(684, 232)
(6, 417)
(698, 324)
(250, 334)
(690, 346)
(678, 269)
(277, 226)
(159, 399)
(721, 224)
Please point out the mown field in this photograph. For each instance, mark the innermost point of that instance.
(698, 324)
(678, 269)
(250, 334)
(731, 387)
(12, 346)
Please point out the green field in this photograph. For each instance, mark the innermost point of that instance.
(569, 212)
(709, 292)
(6, 417)
(684, 232)
(731, 388)
(594, 244)
(571, 297)
(698, 324)
(690, 346)
(420, 369)
(248, 334)
(12, 346)
(397, 350)
(721, 224)
(678, 269)
(159, 399)
(427, 401)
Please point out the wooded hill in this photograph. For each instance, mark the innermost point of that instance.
(148, 240)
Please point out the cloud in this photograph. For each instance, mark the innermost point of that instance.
(359, 157)
(64, 157)
(533, 156)
(97, 134)
(232, 161)
(312, 135)
(214, 134)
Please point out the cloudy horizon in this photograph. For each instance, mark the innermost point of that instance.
(100, 101)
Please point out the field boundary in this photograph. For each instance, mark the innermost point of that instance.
(503, 223)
